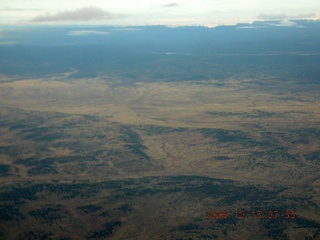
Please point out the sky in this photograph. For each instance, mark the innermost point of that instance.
(154, 12)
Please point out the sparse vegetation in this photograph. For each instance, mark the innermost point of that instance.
(126, 143)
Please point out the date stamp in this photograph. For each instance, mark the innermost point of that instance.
(258, 214)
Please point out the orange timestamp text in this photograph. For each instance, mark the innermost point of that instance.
(258, 214)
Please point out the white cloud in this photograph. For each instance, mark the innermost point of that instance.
(87, 32)
(17, 9)
(83, 14)
(287, 23)
(150, 12)
(128, 29)
(281, 16)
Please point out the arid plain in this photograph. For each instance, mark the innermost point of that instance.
(95, 158)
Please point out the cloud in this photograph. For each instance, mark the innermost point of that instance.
(11, 9)
(286, 23)
(282, 16)
(83, 14)
(87, 32)
(128, 29)
(170, 5)
(272, 16)
(284, 19)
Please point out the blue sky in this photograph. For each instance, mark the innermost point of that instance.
(154, 12)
